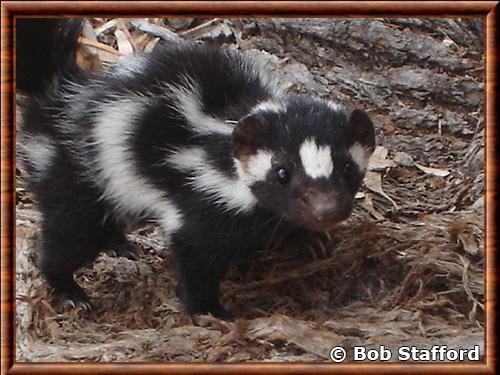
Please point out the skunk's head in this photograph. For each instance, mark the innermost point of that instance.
(304, 159)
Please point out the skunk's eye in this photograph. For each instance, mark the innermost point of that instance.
(348, 168)
(282, 175)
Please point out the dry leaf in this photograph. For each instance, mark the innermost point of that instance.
(359, 195)
(99, 46)
(373, 181)
(106, 53)
(433, 171)
(140, 40)
(124, 45)
(379, 161)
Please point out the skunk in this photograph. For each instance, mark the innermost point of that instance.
(197, 138)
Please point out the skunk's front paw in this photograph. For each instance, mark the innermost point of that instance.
(124, 249)
(73, 298)
(199, 306)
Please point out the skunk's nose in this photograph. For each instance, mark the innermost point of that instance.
(323, 206)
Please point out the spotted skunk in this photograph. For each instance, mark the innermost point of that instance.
(197, 138)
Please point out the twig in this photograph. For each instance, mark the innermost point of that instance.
(200, 29)
(108, 26)
(465, 281)
(96, 44)
(156, 30)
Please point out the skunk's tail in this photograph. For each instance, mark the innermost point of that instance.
(45, 50)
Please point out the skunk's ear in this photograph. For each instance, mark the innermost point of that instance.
(249, 135)
(363, 131)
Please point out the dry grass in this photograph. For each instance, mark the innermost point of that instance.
(384, 283)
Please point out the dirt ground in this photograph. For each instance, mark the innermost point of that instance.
(406, 268)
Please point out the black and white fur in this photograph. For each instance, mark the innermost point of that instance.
(197, 138)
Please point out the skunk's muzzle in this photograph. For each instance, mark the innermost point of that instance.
(321, 210)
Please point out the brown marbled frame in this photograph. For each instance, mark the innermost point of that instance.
(10, 9)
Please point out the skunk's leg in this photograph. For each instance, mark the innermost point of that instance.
(122, 247)
(68, 243)
(74, 231)
(199, 274)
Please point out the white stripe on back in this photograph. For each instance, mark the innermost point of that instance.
(229, 192)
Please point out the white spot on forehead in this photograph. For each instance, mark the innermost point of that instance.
(229, 192)
(269, 106)
(360, 156)
(316, 160)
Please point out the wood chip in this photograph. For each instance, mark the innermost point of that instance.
(469, 243)
(280, 327)
(433, 171)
